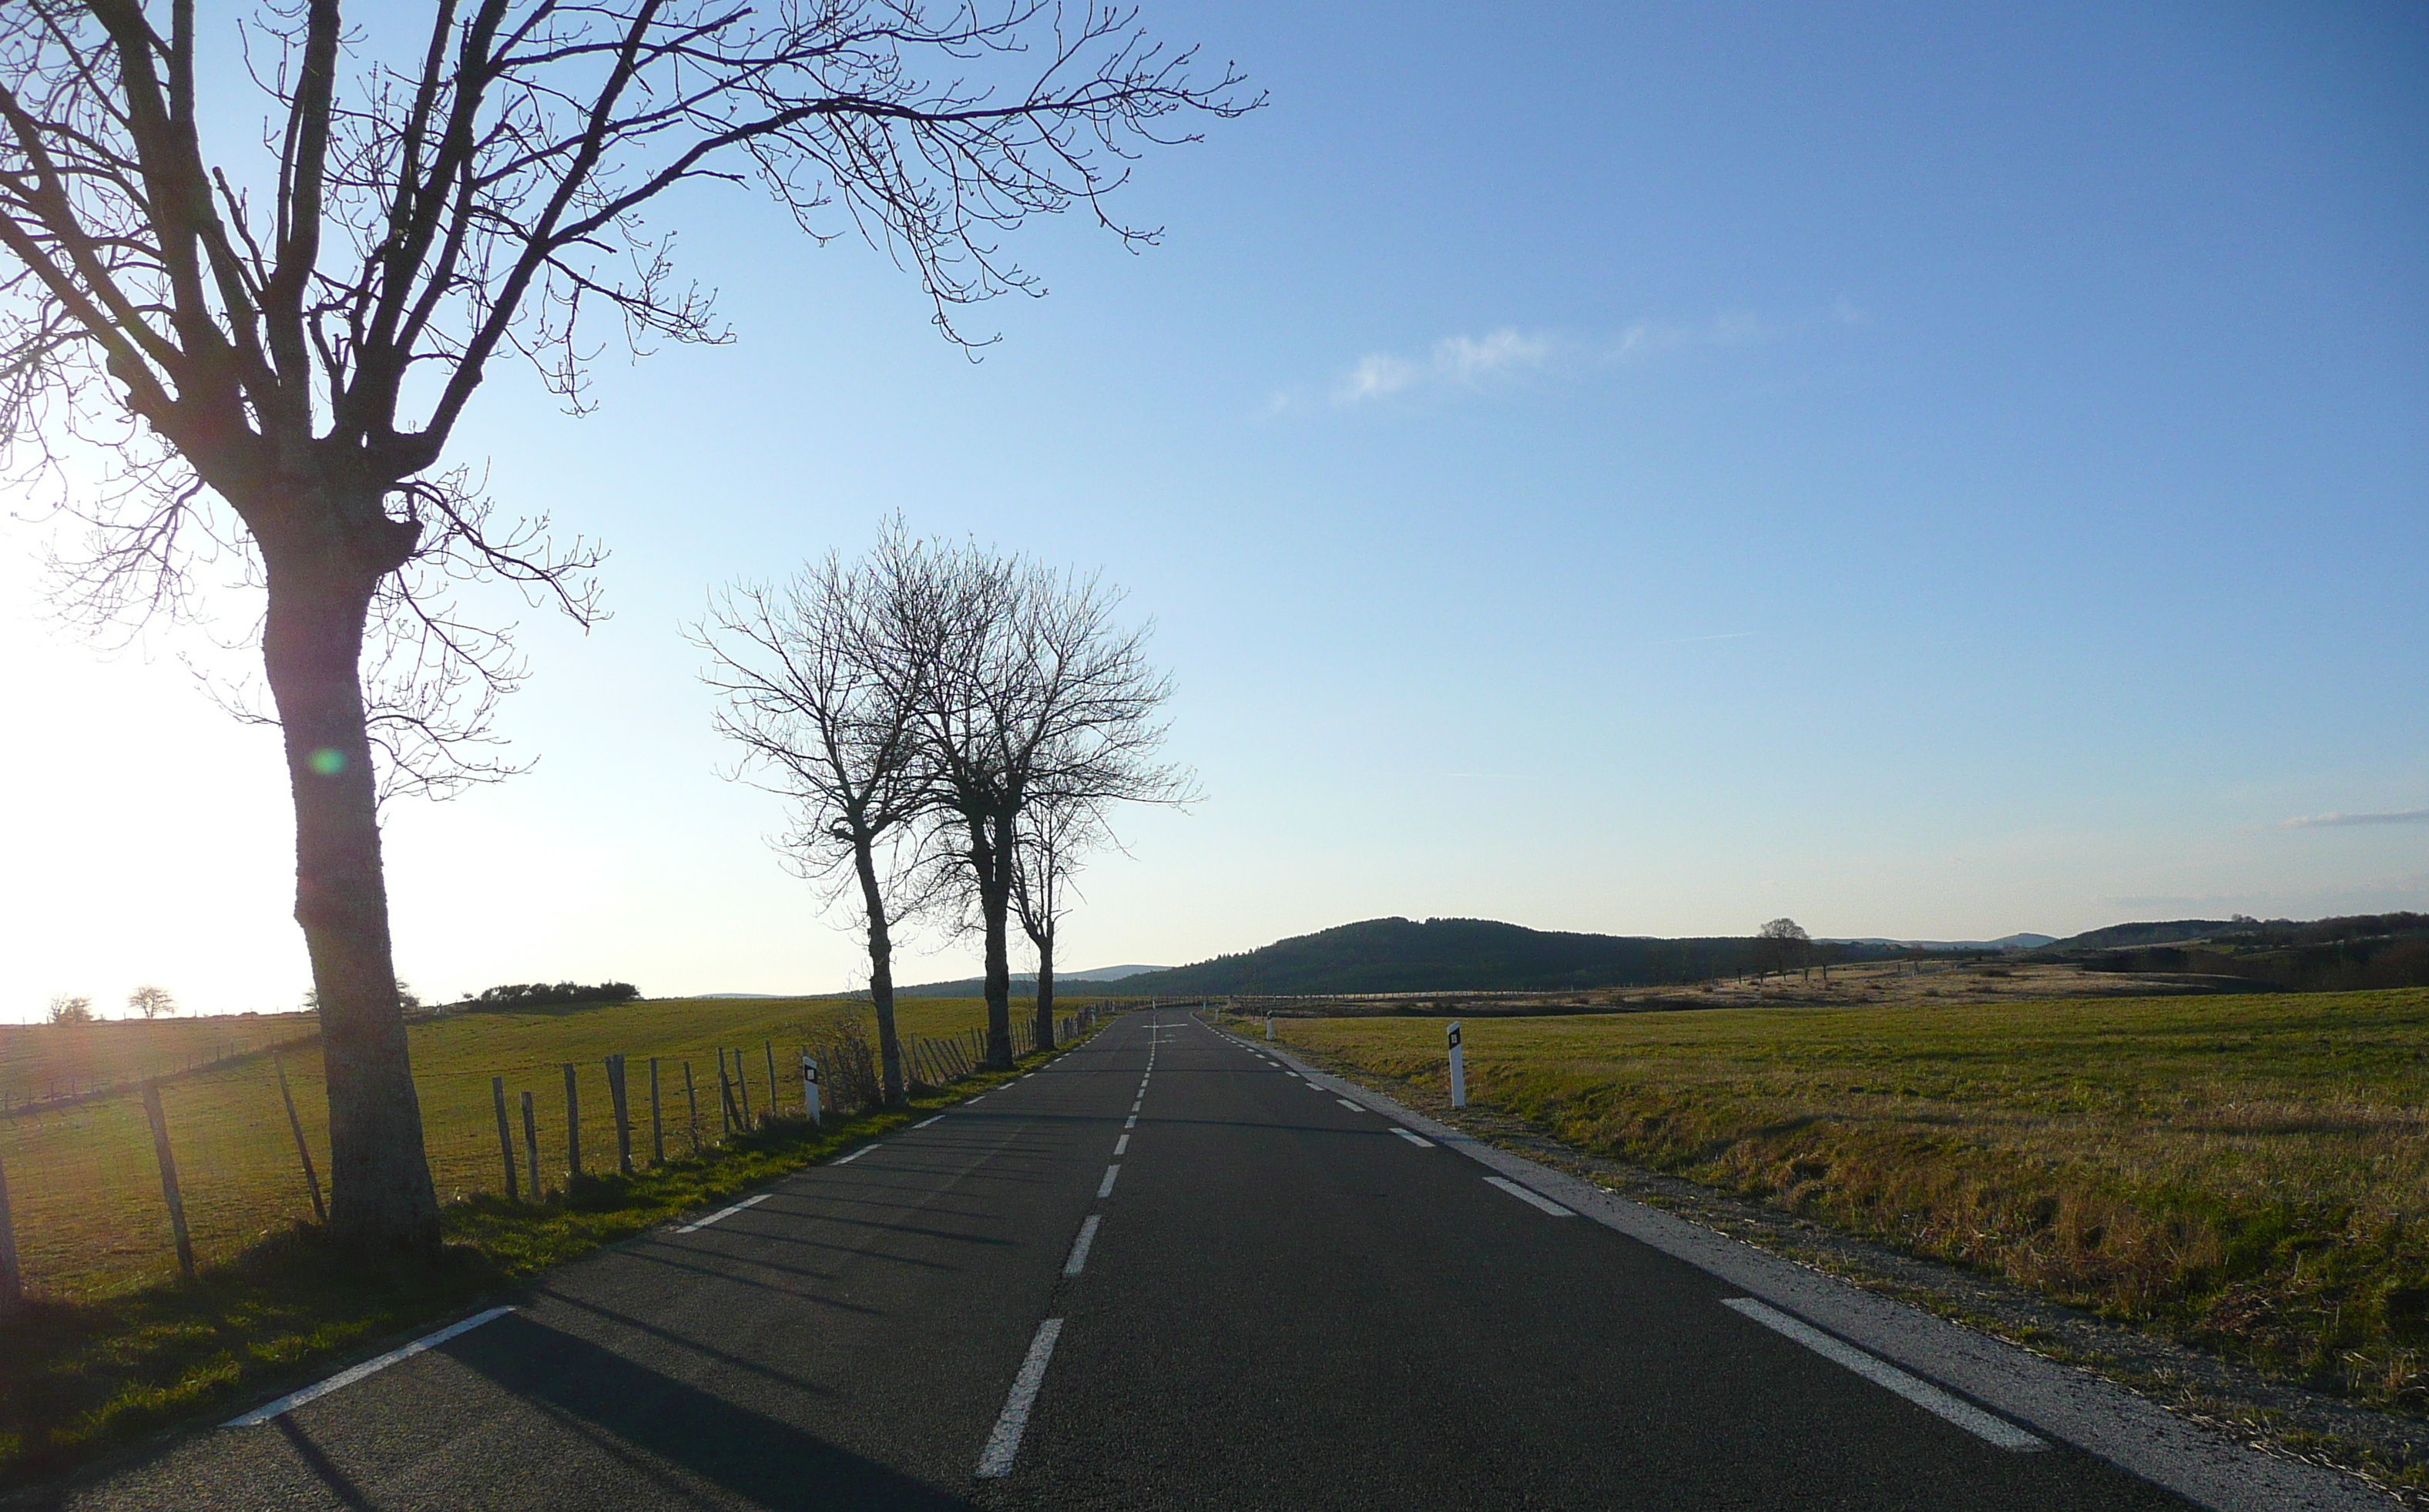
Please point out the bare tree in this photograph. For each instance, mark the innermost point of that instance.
(297, 334)
(1782, 943)
(151, 1001)
(1040, 695)
(1049, 843)
(824, 705)
(70, 1009)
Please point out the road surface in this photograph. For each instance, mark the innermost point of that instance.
(1283, 1300)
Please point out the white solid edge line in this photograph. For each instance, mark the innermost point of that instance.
(723, 1213)
(1922, 1394)
(853, 1155)
(995, 1461)
(1105, 1187)
(347, 1377)
(1418, 1140)
(1536, 1198)
(1080, 1246)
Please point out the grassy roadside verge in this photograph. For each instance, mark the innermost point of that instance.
(80, 1378)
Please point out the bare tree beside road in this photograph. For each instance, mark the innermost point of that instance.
(1048, 846)
(151, 1001)
(277, 350)
(953, 724)
(1041, 698)
(821, 694)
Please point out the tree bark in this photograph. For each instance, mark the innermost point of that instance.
(881, 972)
(992, 856)
(381, 1195)
(1045, 990)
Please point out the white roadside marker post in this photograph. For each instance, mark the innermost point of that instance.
(1458, 1069)
(810, 1085)
(1270, 1027)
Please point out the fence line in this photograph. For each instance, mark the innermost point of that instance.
(185, 1171)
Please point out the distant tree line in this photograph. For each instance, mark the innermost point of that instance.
(551, 994)
(2346, 954)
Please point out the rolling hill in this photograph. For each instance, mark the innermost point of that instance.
(1457, 955)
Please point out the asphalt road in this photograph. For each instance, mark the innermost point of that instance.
(1282, 1304)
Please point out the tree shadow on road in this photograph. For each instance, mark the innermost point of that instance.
(637, 1420)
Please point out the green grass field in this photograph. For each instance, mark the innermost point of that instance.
(2246, 1172)
(45, 1060)
(84, 1188)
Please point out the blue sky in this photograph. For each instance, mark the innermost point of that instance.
(1930, 471)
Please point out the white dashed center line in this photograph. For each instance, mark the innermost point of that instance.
(1347, 1103)
(1130, 1122)
(1121, 1146)
(1419, 1142)
(995, 1461)
(1080, 1246)
(1105, 1187)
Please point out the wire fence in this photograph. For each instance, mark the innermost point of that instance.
(110, 1190)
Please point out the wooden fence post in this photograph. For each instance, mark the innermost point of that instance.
(169, 1176)
(742, 1086)
(505, 1136)
(692, 1099)
(773, 1084)
(616, 1098)
(725, 1090)
(303, 1151)
(657, 1124)
(531, 1149)
(572, 1125)
(12, 1285)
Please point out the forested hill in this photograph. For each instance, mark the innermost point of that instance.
(1451, 954)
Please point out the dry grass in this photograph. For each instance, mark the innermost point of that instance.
(2250, 1173)
(85, 1190)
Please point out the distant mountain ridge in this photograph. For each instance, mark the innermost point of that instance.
(2005, 942)
(976, 986)
(1399, 955)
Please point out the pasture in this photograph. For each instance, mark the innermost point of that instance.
(2246, 1172)
(84, 1188)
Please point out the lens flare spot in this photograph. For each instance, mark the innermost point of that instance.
(328, 761)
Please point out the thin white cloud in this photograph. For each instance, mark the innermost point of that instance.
(1455, 362)
(2337, 821)
(1505, 354)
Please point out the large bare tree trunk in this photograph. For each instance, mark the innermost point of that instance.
(881, 972)
(992, 852)
(380, 1189)
(1045, 990)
